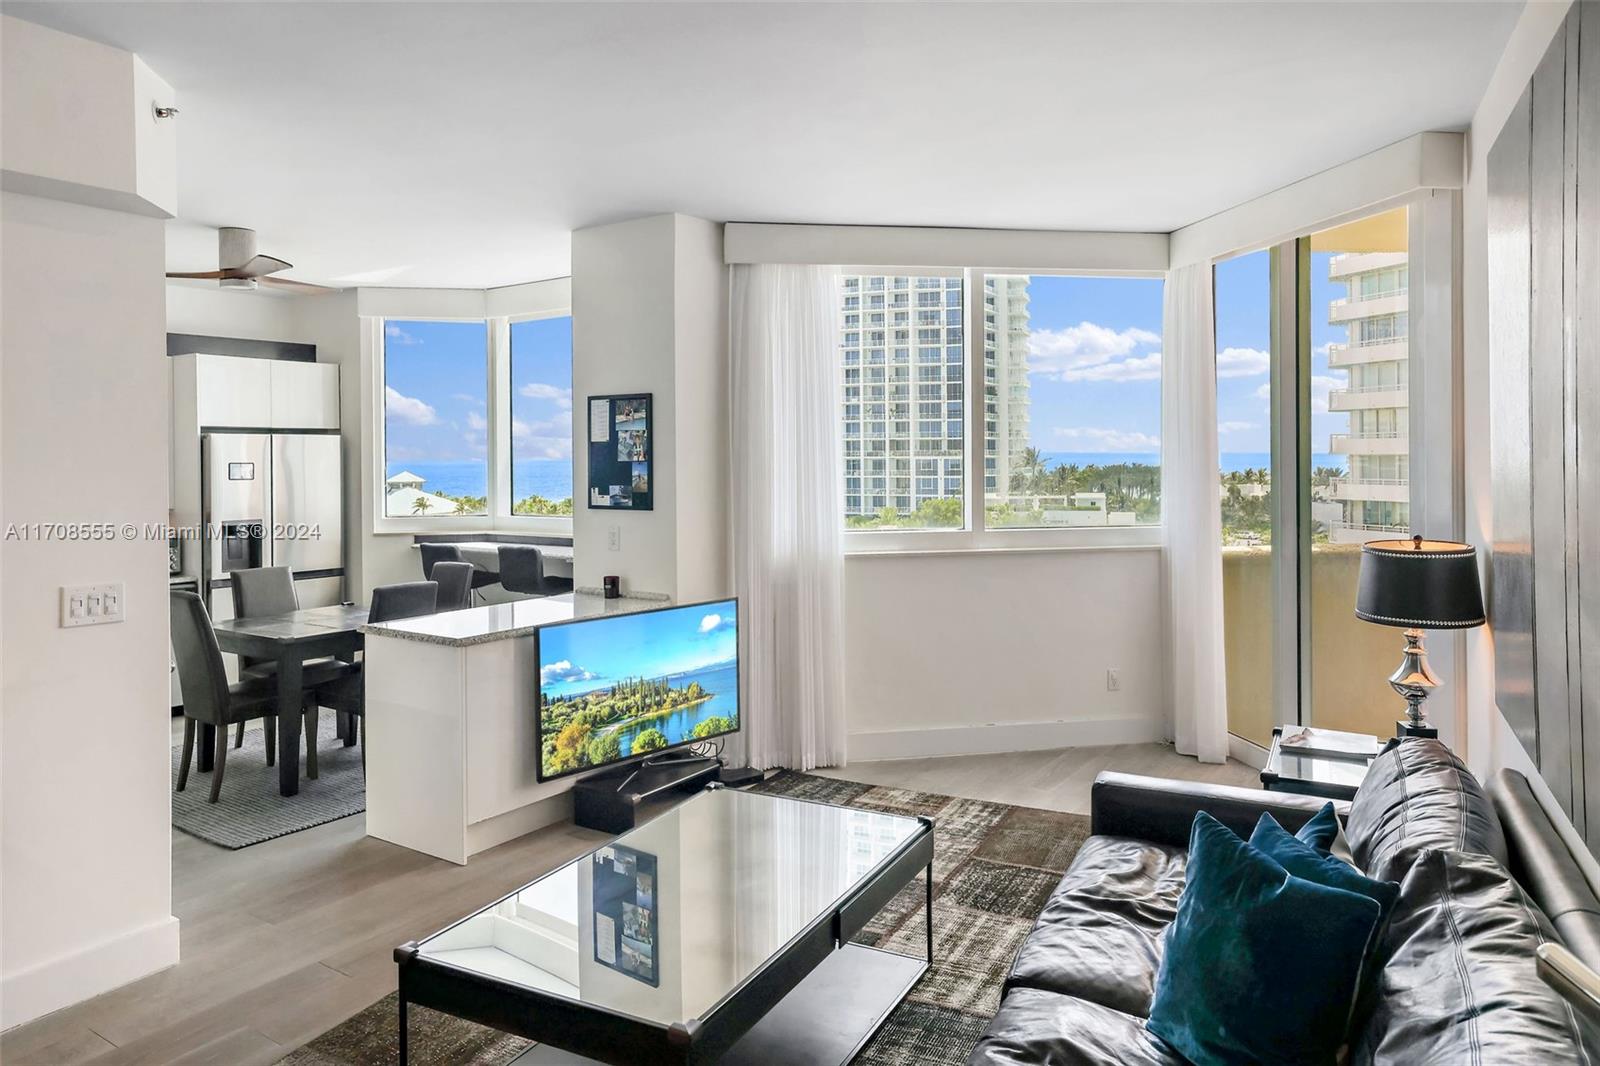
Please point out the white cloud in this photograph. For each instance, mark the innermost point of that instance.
(546, 439)
(408, 409)
(1094, 439)
(1321, 385)
(537, 391)
(1235, 427)
(1242, 362)
(710, 622)
(393, 334)
(564, 671)
(1139, 368)
(477, 422)
(1055, 352)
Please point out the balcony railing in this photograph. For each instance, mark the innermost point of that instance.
(1358, 482)
(1369, 527)
(1365, 297)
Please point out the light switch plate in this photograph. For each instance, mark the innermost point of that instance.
(614, 538)
(92, 605)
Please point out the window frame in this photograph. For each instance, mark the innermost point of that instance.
(974, 536)
(550, 299)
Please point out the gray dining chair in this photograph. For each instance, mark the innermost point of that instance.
(433, 554)
(455, 584)
(348, 695)
(208, 698)
(522, 570)
(261, 592)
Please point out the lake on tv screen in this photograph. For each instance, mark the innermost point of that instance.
(609, 690)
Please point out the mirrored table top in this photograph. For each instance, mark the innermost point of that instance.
(668, 919)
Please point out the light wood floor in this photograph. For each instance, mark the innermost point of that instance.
(285, 939)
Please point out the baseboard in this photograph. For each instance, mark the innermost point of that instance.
(492, 832)
(1001, 737)
(1246, 751)
(87, 973)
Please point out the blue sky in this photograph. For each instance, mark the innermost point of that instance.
(1094, 359)
(1243, 337)
(602, 651)
(1095, 362)
(436, 390)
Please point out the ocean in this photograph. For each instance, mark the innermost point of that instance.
(552, 478)
(722, 680)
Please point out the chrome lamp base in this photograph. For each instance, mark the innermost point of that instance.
(1413, 680)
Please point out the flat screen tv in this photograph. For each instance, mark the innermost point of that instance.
(626, 686)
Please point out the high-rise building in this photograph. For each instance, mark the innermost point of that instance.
(902, 346)
(1376, 492)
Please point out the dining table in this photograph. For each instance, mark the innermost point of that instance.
(290, 640)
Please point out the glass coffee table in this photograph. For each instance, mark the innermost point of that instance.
(717, 932)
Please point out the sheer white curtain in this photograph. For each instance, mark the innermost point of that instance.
(788, 513)
(1191, 517)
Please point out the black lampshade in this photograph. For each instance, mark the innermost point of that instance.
(1420, 584)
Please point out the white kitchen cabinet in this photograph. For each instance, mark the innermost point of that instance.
(233, 393)
(304, 395)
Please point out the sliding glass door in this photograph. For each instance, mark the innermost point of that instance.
(1313, 367)
(1243, 299)
(1359, 481)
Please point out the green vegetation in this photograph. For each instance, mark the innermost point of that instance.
(1134, 487)
(713, 726)
(583, 730)
(650, 740)
(538, 505)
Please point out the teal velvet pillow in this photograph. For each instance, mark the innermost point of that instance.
(1260, 965)
(1303, 859)
(1320, 832)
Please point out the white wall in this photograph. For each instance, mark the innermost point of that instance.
(649, 314)
(85, 852)
(85, 834)
(1002, 651)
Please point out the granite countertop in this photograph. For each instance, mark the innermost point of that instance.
(503, 621)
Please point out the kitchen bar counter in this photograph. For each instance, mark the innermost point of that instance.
(452, 704)
(504, 621)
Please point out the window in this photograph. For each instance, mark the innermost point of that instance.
(1071, 405)
(541, 416)
(435, 420)
(1314, 441)
(1072, 401)
(923, 502)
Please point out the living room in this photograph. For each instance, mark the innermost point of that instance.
(658, 327)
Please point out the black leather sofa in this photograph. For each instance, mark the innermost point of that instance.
(1483, 881)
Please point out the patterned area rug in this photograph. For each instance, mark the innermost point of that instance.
(250, 809)
(993, 865)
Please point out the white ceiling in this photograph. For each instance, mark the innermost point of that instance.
(460, 144)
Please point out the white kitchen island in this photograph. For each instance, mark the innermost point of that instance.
(451, 702)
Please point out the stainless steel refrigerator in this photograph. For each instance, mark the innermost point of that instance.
(272, 499)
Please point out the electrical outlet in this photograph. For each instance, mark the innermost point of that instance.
(1113, 680)
(614, 538)
(91, 605)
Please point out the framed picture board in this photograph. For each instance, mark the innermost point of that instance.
(625, 913)
(621, 448)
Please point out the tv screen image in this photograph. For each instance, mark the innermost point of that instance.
(615, 687)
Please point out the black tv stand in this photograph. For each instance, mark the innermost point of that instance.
(613, 801)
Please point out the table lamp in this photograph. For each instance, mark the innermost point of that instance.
(1418, 584)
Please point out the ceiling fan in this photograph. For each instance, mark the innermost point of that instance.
(242, 268)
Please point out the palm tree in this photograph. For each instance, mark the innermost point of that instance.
(421, 506)
(463, 506)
